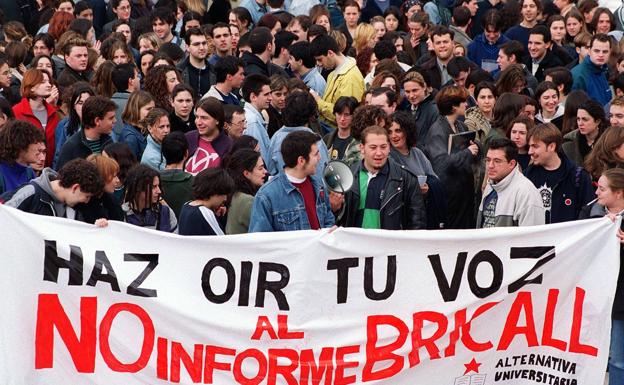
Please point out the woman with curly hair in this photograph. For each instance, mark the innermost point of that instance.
(160, 82)
(59, 24)
(140, 103)
(143, 205)
(363, 116)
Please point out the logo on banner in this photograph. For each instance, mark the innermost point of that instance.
(471, 379)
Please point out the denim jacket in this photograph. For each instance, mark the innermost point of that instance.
(257, 128)
(278, 206)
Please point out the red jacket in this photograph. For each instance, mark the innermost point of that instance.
(23, 111)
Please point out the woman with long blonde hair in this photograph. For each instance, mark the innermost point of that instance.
(365, 36)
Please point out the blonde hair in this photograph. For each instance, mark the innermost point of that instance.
(196, 6)
(416, 78)
(340, 39)
(364, 33)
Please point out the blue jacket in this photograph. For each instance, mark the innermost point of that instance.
(481, 49)
(257, 128)
(278, 206)
(133, 138)
(152, 156)
(592, 79)
(60, 137)
(573, 191)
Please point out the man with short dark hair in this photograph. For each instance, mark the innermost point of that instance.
(257, 94)
(56, 194)
(258, 61)
(299, 26)
(541, 56)
(209, 144)
(435, 68)
(195, 69)
(385, 98)
(295, 199)
(509, 199)
(76, 54)
(175, 183)
(299, 111)
(98, 119)
(385, 195)
(229, 75)
(591, 74)
(126, 80)
(21, 143)
(302, 63)
(163, 20)
(513, 52)
(222, 37)
(483, 50)
(564, 187)
(459, 26)
(344, 80)
(340, 143)
(283, 40)
(459, 68)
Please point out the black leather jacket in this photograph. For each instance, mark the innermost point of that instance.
(402, 206)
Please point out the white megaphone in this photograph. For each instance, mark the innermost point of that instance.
(338, 177)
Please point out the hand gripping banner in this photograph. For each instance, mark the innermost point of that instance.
(124, 305)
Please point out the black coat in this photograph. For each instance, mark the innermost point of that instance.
(455, 171)
(596, 210)
(371, 9)
(77, 147)
(402, 205)
(104, 206)
(425, 115)
(255, 65)
(550, 61)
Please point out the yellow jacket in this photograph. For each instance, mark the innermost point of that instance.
(348, 81)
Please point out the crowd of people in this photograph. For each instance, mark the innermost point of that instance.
(221, 119)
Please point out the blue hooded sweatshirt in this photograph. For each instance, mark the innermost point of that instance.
(481, 49)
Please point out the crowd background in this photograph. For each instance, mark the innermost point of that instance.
(212, 118)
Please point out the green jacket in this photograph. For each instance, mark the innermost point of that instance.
(239, 214)
(177, 186)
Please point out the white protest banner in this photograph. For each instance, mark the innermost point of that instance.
(124, 305)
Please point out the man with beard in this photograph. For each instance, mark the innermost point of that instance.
(195, 69)
(385, 195)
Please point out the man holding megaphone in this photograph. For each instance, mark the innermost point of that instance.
(384, 194)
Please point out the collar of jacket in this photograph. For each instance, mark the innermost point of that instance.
(506, 181)
(289, 187)
(186, 63)
(593, 67)
(26, 109)
(346, 67)
(104, 138)
(393, 169)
